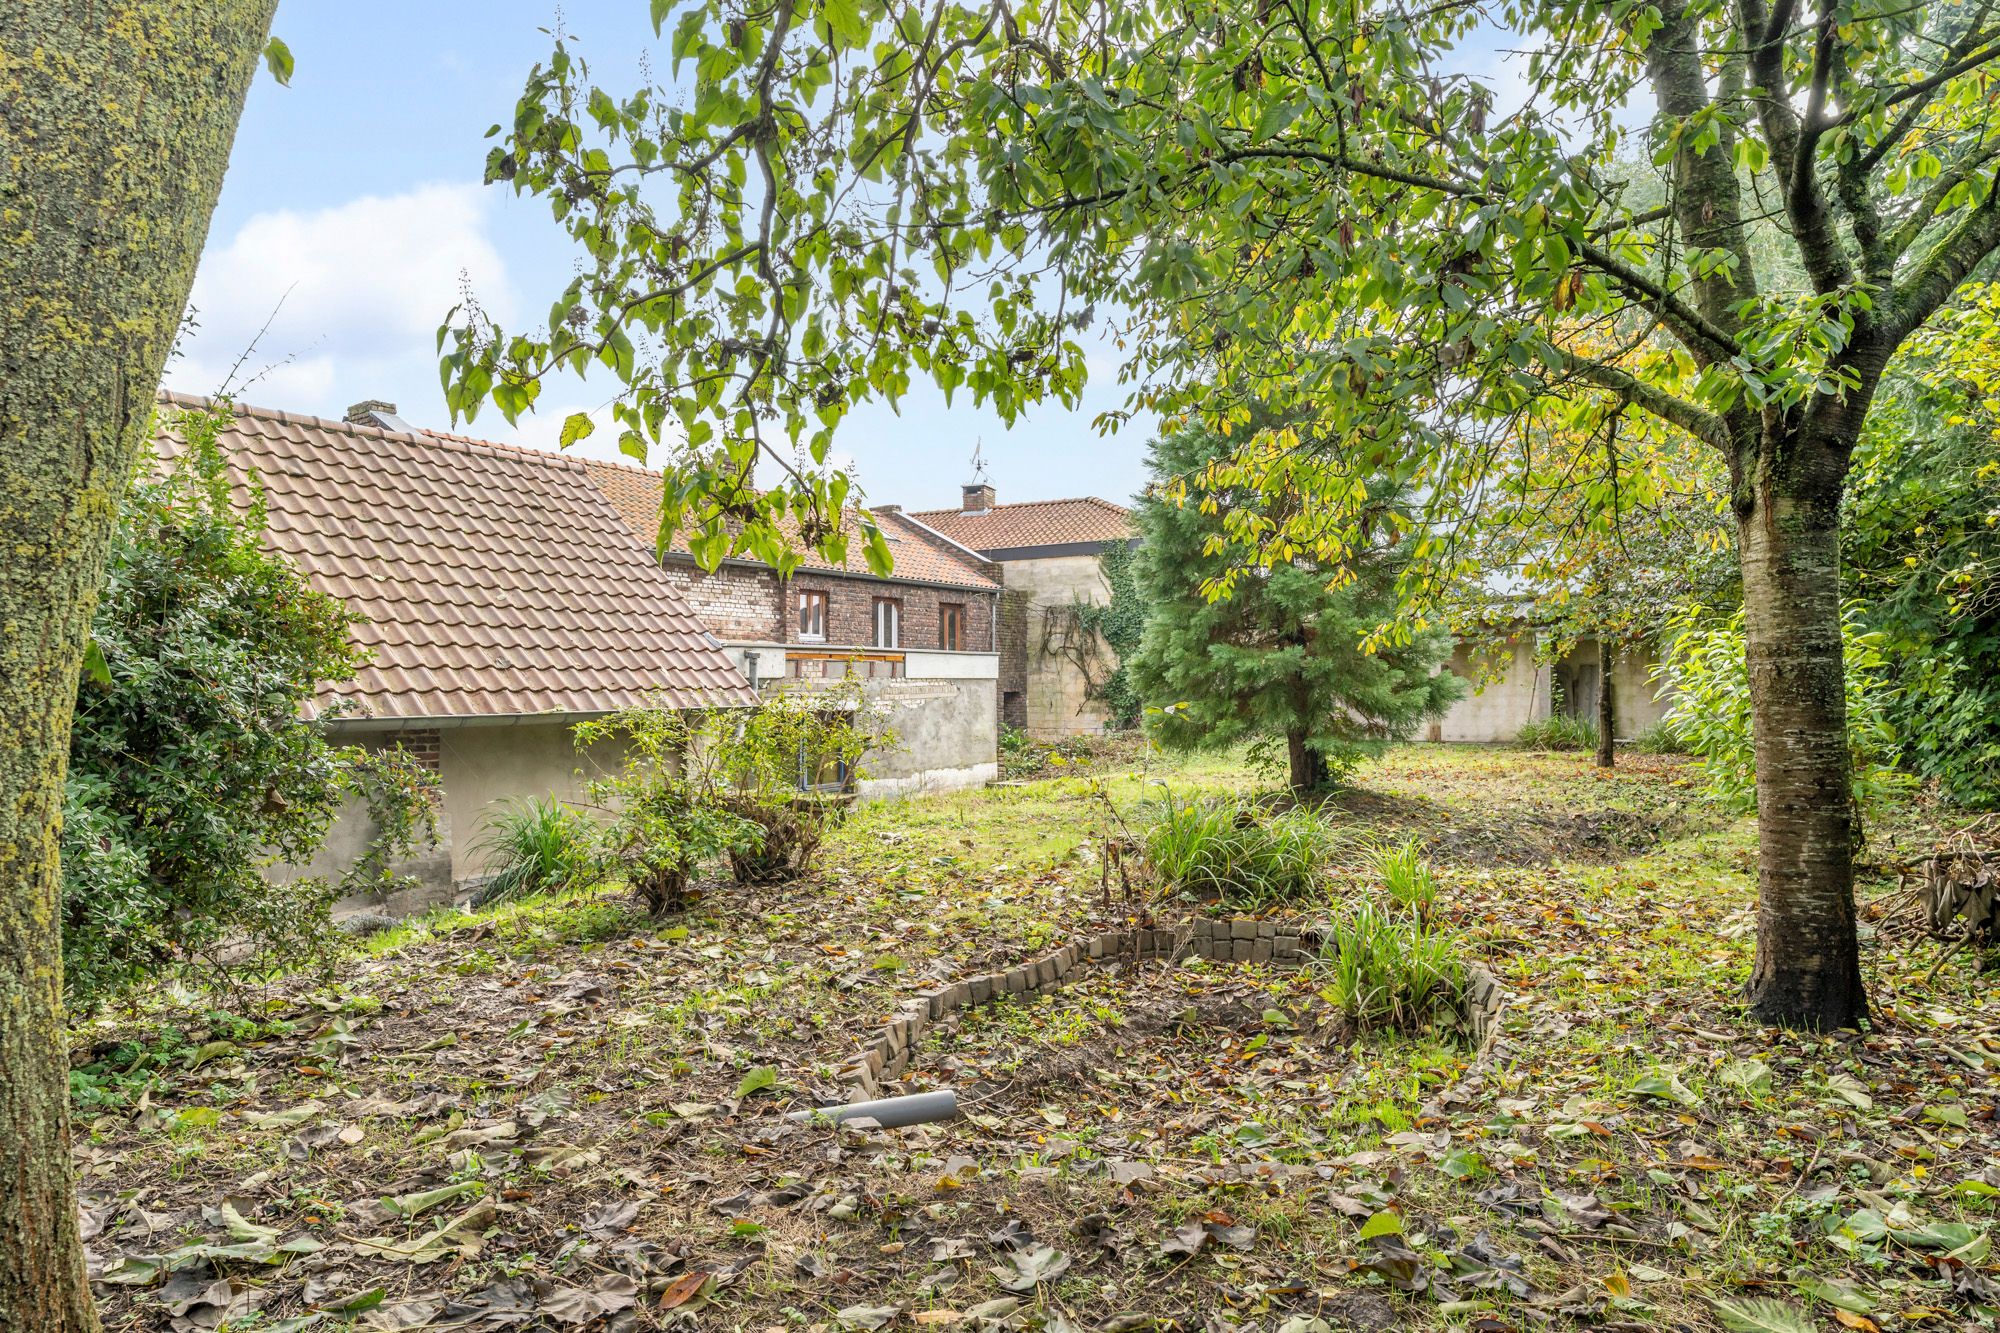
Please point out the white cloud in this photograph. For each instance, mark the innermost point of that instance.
(364, 285)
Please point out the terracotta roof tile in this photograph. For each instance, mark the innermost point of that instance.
(918, 554)
(1034, 523)
(495, 580)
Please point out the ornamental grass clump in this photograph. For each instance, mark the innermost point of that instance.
(535, 845)
(1389, 968)
(1407, 878)
(1235, 853)
(1391, 964)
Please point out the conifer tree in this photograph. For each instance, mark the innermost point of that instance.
(1281, 659)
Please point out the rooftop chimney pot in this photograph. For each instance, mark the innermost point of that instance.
(978, 498)
(375, 412)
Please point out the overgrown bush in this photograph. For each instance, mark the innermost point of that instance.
(1233, 852)
(191, 767)
(662, 821)
(1707, 670)
(788, 766)
(534, 845)
(1392, 968)
(1023, 757)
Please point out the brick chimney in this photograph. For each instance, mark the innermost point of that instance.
(375, 412)
(978, 498)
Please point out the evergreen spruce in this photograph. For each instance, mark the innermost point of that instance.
(1280, 658)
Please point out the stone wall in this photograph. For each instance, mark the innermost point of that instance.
(1012, 644)
(1055, 700)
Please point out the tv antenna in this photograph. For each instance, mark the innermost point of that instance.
(978, 460)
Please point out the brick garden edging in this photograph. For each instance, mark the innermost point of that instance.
(886, 1056)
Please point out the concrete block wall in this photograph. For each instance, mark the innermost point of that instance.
(1496, 709)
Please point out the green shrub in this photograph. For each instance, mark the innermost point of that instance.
(1659, 738)
(535, 845)
(191, 766)
(1561, 732)
(662, 820)
(1236, 853)
(1708, 673)
(754, 761)
(1391, 968)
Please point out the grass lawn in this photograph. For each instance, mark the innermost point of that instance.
(561, 1114)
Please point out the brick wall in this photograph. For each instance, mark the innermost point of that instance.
(422, 744)
(733, 603)
(850, 612)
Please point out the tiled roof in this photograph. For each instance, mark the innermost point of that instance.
(1035, 523)
(918, 555)
(496, 581)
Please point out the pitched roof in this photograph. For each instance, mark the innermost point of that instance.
(496, 581)
(919, 556)
(1084, 521)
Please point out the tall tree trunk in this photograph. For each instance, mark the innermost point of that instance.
(1308, 766)
(119, 116)
(1808, 969)
(1606, 705)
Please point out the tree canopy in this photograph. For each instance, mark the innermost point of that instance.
(1310, 207)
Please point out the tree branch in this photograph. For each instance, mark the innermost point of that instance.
(1697, 421)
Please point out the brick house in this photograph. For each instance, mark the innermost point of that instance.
(502, 599)
(1047, 552)
(924, 639)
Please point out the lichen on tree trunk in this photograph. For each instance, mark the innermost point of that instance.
(120, 118)
(1807, 972)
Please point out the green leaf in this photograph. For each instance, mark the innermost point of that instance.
(576, 426)
(1761, 1314)
(1666, 1088)
(278, 59)
(94, 665)
(1277, 117)
(359, 1303)
(1388, 1222)
(1840, 1295)
(758, 1079)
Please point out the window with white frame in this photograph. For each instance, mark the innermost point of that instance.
(888, 623)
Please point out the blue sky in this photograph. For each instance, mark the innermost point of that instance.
(356, 190)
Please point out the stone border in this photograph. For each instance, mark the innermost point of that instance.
(886, 1056)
